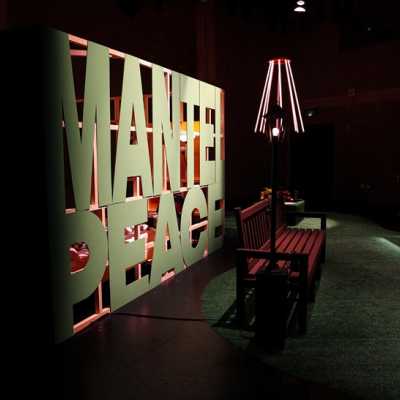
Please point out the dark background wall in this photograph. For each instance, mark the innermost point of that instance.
(346, 64)
(152, 29)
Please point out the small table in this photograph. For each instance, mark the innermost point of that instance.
(291, 207)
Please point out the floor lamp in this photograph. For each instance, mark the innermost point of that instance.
(275, 120)
(279, 115)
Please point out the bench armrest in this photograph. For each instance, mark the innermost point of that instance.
(310, 214)
(268, 255)
(298, 261)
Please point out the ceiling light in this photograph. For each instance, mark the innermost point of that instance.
(300, 3)
(300, 9)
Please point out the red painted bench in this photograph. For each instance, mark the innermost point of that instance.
(299, 254)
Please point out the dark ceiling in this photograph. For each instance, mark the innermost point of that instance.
(360, 22)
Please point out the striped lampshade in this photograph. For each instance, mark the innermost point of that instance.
(279, 110)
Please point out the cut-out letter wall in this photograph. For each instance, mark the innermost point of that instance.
(135, 176)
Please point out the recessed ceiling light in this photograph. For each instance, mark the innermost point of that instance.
(300, 9)
(300, 3)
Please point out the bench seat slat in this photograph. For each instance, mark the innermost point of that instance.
(256, 265)
(289, 245)
(306, 233)
(310, 242)
(300, 241)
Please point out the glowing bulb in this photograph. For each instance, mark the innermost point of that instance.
(300, 9)
(275, 132)
(300, 3)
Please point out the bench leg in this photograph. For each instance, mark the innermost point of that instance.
(318, 272)
(240, 303)
(302, 312)
(323, 253)
(311, 292)
(240, 310)
(302, 317)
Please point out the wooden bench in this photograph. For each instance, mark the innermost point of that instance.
(299, 254)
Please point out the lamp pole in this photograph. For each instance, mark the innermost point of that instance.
(274, 171)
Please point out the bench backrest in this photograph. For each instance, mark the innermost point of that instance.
(254, 223)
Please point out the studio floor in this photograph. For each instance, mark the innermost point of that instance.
(167, 344)
(353, 341)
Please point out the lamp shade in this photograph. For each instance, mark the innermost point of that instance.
(279, 107)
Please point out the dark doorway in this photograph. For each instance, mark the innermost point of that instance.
(312, 165)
